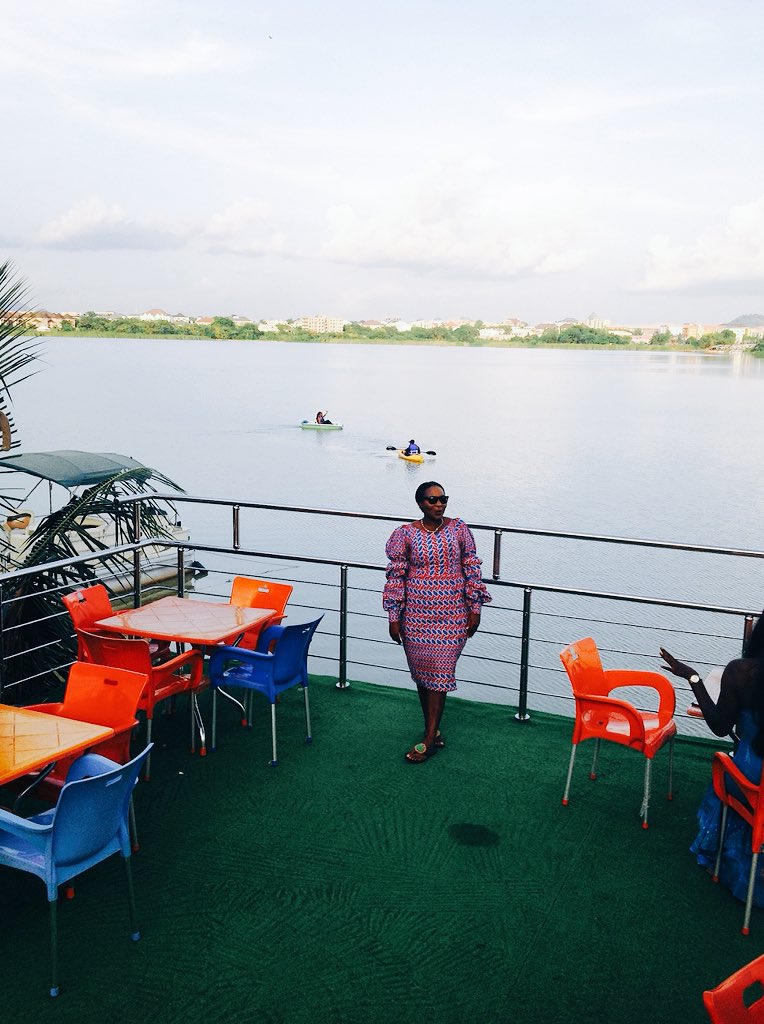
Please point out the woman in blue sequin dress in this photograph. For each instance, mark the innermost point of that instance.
(740, 707)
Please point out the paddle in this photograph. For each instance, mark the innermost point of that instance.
(394, 448)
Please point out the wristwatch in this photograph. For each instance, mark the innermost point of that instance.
(694, 678)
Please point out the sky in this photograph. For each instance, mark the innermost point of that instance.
(419, 159)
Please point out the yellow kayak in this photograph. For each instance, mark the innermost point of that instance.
(409, 458)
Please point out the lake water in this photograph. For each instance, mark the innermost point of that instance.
(642, 444)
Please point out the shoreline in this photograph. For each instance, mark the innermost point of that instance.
(493, 343)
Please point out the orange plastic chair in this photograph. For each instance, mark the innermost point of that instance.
(747, 800)
(249, 593)
(602, 717)
(86, 606)
(102, 696)
(739, 999)
(164, 680)
(89, 604)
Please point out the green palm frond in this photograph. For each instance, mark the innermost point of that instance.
(18, 349)
(35, 626)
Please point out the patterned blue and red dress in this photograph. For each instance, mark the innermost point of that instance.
(433, 582)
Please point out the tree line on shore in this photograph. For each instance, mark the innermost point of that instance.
(224, 328)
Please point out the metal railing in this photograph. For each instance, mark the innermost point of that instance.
(527, 591)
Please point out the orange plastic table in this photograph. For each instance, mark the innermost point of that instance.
(30, 740)
(186, 621)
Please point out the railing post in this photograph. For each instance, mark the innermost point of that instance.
(181, 572)
(136, 555)
(522, 710)
(2, 645)
(342, 683)
(236, 509)
(497, 554)
(747, 630)
(137, 578)
(136, 522)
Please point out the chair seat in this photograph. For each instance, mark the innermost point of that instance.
(610, 725)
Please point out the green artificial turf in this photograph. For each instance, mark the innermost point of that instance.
(346, 885)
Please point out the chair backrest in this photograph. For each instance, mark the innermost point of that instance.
(249, 593)
(92, 812)
(584, 668)
(103, 695)
(291, 650)
(739, 999)
(117, 651)
(88, 605)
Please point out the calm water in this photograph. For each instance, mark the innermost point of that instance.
(649, 445)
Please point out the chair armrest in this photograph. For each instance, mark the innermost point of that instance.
(723, 765)
(651, 680)
(46, 709)
(225, 653)
(88, 766)
(168, 668)
(621, 707)
(268, 635)
(22, 827)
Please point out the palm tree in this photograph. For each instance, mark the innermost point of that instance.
(17, 348)
(37, 639)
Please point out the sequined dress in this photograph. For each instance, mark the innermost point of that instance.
(736, 856)
(433, 582)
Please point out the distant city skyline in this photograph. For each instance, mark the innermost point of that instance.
(424, 160)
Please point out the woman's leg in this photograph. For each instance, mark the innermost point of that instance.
(433, 712)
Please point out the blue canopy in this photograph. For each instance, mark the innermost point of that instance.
(71, 468)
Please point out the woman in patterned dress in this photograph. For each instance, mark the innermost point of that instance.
(433, 597)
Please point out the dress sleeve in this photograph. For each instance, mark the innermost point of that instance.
(394, 594)
(475, 590)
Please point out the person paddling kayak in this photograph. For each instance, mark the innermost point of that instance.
(412, 448)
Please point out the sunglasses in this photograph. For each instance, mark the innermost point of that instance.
(438, 499)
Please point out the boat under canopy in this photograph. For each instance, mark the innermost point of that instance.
(71, 468)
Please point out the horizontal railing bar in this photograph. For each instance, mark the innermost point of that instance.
(524, 531)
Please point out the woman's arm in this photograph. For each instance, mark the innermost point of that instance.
(722, 716)
(394, 594)
(475, 591)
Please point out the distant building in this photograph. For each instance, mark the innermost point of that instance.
(597, 322)
(492, 333)
(321, 324)
(272, 326)
(42, 320)
(154, 314)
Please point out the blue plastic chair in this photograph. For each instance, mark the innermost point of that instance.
(270, 672)
(88, 824)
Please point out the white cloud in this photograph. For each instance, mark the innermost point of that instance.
(70, 55)
(731, 253)
(94, 224)
(475, 224)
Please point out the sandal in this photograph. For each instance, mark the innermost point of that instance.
(419, 753)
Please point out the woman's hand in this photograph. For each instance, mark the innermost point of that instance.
(395, 632)
(473, 621)
(676, 668)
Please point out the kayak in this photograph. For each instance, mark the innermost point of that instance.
(308, 425)
(409, 458)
